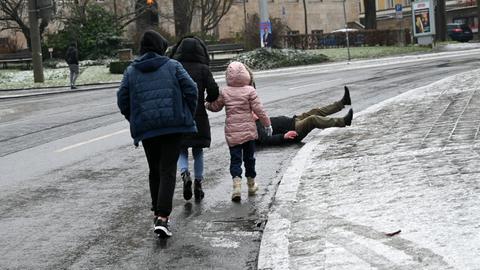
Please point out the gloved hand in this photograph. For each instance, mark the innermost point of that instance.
(269, 131)
(290, 135)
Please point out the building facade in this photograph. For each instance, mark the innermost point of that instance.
(463, 11)
(326, 15)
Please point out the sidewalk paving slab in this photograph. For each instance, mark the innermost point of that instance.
(411, 163)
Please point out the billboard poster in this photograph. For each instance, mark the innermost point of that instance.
(423, 18)
(422, 21)
(266, 37)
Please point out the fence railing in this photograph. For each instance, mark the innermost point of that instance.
(338, 39)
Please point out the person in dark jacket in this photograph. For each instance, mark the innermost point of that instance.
(192, 53)
(71, 58)
(288, 130)
(159, 99)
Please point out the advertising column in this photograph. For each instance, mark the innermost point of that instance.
(423, 21)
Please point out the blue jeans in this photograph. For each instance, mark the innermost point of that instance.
(247, 151)
(197, 161)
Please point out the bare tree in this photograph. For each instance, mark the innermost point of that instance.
(183, 15)
(126, 11)
(210, 13)
(370, 14)
(14, 16)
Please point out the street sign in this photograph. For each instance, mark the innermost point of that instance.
(398, 11)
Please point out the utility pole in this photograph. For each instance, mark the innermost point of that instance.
(264, 20)
(35, 42)
(245, 23)
(263, 10)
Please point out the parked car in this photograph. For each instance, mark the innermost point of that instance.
(459, 32)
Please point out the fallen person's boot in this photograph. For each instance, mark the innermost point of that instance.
(348, 118)
(346, 97)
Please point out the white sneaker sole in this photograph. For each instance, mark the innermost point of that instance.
(162, 231)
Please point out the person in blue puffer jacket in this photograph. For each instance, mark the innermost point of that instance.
(159, 99)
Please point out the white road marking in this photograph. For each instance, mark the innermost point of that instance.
(92, 140)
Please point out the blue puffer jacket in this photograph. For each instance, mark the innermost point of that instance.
(157, 97)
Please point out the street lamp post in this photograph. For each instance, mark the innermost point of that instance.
(346, 29)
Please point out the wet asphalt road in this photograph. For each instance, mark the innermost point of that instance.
(74, 191)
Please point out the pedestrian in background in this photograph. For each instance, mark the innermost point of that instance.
(159, 99)
(241, 101)
(192, 53)
(71, 58)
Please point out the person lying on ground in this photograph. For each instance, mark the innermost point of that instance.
(287, 130)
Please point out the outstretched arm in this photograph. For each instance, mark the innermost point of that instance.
(257, 108)
(277, 139)
(212, 87)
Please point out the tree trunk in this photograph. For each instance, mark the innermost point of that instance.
(180, 13)
(478, 19)
(370, 14)
(305, 16)
(440, 21)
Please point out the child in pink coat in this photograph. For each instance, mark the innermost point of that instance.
(240, 100)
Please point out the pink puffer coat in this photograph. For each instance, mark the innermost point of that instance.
(240, 100)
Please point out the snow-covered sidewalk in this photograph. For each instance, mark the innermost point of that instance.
(410, 164)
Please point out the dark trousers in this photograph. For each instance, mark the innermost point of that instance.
(162, 155)
(247, 151)
(317, 118)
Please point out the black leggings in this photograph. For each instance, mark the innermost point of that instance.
(162, 155)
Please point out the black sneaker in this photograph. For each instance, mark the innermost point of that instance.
(73, 87)
(187, 186)
(162, 229)
(197, 190)
(346, 97)
(348, 118)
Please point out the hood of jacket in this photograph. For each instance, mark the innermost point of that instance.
(153, 42)
(191, 49)
(237, 75)
(149, 62)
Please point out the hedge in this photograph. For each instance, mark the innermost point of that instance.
(119, 67)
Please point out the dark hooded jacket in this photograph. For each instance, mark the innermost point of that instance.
(280, 126)
(192, 53)
(157, 96)
(71, 57)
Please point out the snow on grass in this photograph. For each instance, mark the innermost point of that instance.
(20, 79)
(336, 54)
